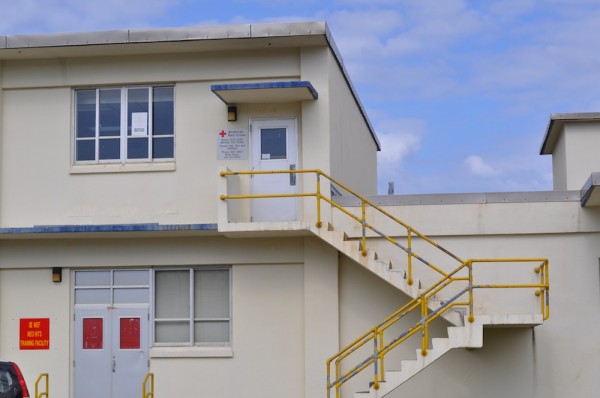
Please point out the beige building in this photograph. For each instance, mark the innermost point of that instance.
(134, 248)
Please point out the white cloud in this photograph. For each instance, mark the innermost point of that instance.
(31, 16)
(478, 166)
(400, 138)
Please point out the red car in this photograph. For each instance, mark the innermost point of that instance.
(12, 383)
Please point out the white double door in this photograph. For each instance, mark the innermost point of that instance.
(274, 147)
(111, 351)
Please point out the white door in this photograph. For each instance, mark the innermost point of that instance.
(274, 147)
(111, 352)
(92, 354)
(129, 350)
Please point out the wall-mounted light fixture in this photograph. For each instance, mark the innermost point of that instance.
(231, 113)
(56, 274)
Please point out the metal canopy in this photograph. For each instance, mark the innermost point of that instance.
(290, 91)
(590, 193)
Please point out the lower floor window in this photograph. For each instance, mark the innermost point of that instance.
(192, 306)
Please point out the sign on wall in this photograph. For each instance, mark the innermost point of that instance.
(232, 145)
(34, 334)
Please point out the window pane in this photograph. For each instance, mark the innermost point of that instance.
(110, 113)
(92, 278)
(131, 277)
(131, 296)
(211, 293)
(137, 104)
(92, 296)
(162, 148)
(93, 333)
(273, 143)
(172, 332)
(172, 294)
(130, 331)
(163, 111)
(110, 149)
(86, 113)
(211, 332)
(137, 148)
(85, 150)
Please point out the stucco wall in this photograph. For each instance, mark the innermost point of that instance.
(581, 156)
(41, 186)
(353, 149)
(30, 293)
(284, 310)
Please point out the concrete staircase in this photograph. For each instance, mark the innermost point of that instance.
(381, 267)
(463, 334)
(468, 336)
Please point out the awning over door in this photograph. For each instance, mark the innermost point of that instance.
(243, 93)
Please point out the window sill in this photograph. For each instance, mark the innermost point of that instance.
(121, 168)
(191, 352)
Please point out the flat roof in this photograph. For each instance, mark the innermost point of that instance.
(31, 46)
(556, 124)
(464, 198)
(173, 40)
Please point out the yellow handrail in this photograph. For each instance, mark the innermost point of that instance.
(148, 386)
(46, 392)
(410, 232)
(376, 335)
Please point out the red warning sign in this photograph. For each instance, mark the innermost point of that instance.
(34, 334)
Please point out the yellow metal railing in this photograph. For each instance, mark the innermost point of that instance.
(148, 386)
(411, 233)
(376, 336)
(46, 392)
(461, 296)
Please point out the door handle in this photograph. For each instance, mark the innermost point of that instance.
(114, 364)
(292, 175)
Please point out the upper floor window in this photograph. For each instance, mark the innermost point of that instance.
(128, 124)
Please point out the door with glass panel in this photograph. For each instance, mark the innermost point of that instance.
(274, 147)
(111, 332)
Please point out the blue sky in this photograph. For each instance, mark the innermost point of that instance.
(459, 91)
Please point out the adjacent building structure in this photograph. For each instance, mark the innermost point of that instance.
(199, 204)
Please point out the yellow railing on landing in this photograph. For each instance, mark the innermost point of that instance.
(460, 296)
(411, 233)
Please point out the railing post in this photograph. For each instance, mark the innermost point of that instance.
(319, 223)
(424, 325)
(376, 362)
(382, 361)
(470, 268)
(364, 228)
(409, 278)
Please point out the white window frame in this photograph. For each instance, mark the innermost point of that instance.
(191, 318)
(123, 136)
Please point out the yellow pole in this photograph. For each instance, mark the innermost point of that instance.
(319, 223)
(424, 326)
(470, 267)
(364, 231)
(409, 260)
